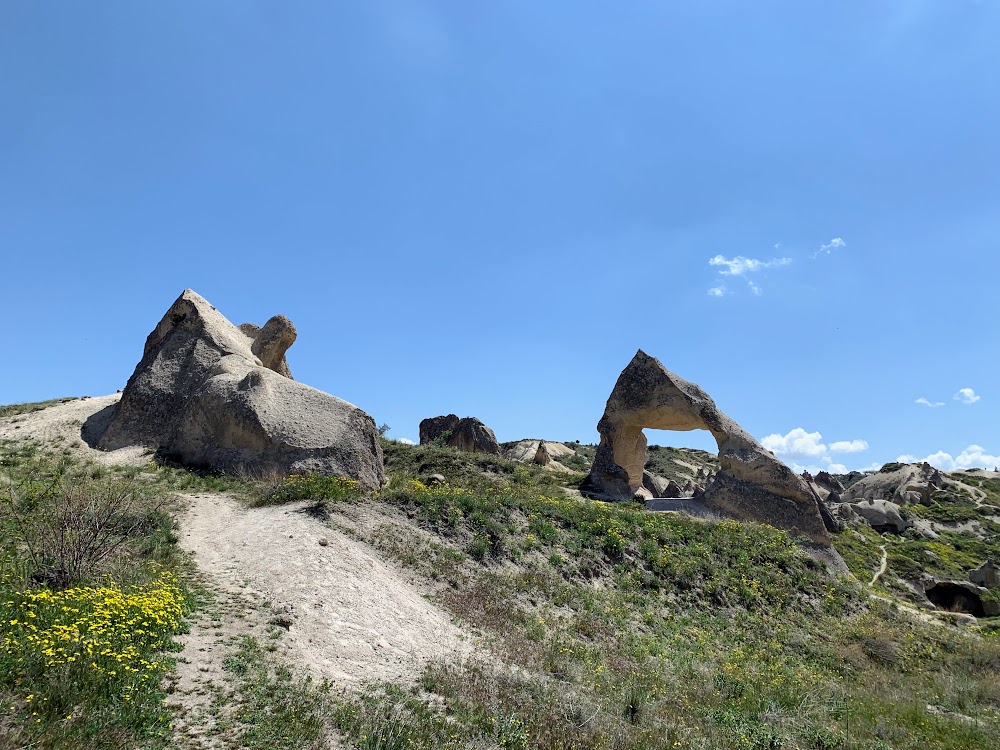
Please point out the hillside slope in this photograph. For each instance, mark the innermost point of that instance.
(597, 625)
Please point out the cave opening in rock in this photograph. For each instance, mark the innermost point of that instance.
(954, 598)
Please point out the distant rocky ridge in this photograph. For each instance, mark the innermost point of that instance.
(207, 393)
(544, 453)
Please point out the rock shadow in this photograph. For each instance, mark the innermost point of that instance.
(96, 424)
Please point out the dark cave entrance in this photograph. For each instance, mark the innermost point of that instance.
(954, 598)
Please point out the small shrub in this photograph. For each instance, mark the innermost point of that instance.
(70, 528)
(314, 487)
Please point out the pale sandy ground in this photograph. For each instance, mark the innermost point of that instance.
(335, 610)
(352, 616)
(62, 425)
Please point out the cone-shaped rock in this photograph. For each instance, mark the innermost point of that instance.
(203, 395)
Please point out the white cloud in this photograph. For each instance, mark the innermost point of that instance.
(754, 288)
(405, 441)
(717, 291)
(797, 442)
(739, 265)
(806, 451)
(830, 246)
(932, 404)
(966, 396)
(975, 456)
(849, 446)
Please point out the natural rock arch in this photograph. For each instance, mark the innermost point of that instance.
(751, 485)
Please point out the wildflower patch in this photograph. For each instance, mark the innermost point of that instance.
(102, 642)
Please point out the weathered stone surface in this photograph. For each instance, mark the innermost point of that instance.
(986, 575)
(433, 428)
(901, 483)
(271, 343)
(534, 451)
(465, 434)
(542, 457)
(881, 515)
(828, 482)
(201, 396)
(958, 596)
(751, 485)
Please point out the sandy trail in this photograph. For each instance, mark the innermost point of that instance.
(344, 614)
(881, 568)
(350, 616)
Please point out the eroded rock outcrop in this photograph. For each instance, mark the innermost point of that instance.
(751, 485)
(207, 393)
(466, 434)
(900, 483)
(544, 453)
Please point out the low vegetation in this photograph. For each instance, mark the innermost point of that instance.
(601, 625)
(89, 601)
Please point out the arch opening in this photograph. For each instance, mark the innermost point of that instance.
(954, 598)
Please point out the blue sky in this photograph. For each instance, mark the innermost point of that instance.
(486, 208)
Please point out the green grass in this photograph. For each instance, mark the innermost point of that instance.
(602, 626)
(663, 461)
(11, 410)
(274, 707)
(635, 630)
(459, 468)
(89, 602)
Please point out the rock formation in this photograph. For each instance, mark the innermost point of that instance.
(535, 451)
(958, 596)
(207, 393)
(466, 434)
(881, 515)
(542, 457)
(751, 485)
(900, 483)
(271, 342)
(986, 575)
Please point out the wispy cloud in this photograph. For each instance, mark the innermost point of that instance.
(739, 265)
(932, 404)
(742, 266)
(966, 396)
(829, 247)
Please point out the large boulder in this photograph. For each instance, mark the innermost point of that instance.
(209, 394)
(465, 434)
(751, 485)
(881, 515)
(986, 575)
(903, 484)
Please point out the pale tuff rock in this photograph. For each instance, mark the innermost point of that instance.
(207, 393)
(751, 485)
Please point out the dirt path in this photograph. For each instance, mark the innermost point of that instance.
(344, 615)
(351, 616)
(881, 568)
